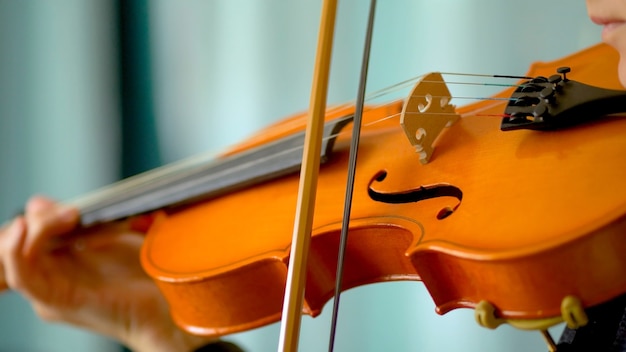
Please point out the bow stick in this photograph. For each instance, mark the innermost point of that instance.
(296, 275)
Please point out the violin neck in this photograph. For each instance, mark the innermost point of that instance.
(200, 178)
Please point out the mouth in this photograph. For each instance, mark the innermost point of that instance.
(609, 24)
(607, 21)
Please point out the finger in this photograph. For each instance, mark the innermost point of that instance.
(12, 254)
(46, 219)
(26, 275)
(107, 235)
(6, 231)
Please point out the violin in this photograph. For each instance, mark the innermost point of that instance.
(518, 216)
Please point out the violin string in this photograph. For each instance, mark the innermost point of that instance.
(476, 84)
(396, 115)
(408, 82)
(377, 93)
(461, 97)
(495, 115)
(484, 75)
(121, 187)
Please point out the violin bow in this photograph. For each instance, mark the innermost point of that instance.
(296, 274)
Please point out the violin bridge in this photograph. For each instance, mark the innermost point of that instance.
(426, 112)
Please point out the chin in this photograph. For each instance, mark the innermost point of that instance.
(622, 69)
(616, 37)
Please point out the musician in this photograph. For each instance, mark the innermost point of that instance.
(94, 280)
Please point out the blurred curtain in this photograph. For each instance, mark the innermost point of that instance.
(77, 113)
(59, 127)
(212, 72)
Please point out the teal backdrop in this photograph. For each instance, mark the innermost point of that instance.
(206, 74)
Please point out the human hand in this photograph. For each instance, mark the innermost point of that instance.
(90, 278)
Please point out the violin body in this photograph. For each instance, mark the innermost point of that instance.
(520, 219)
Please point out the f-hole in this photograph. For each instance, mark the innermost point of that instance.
(417, 195)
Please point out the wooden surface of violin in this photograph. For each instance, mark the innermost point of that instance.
(517, 219)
